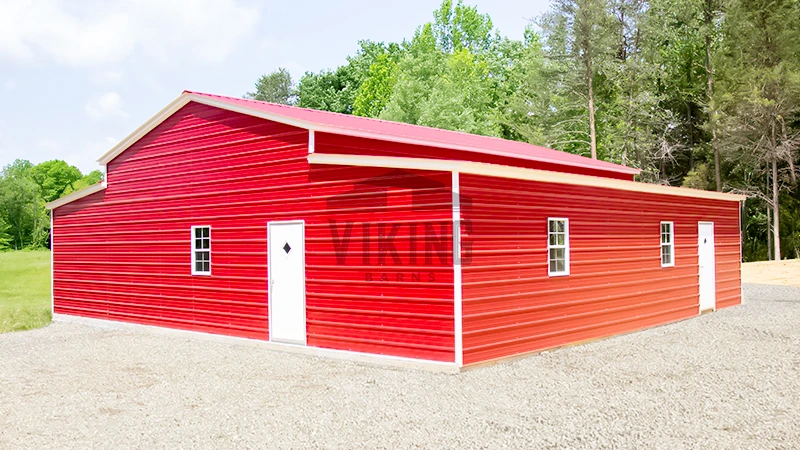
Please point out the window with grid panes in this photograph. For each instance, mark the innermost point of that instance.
(558, 246)
(201, 250)
(667, 244)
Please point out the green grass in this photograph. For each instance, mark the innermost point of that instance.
(24, 290)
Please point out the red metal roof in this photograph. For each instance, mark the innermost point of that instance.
(403, 132)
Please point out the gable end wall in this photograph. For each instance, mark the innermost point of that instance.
(124, 254)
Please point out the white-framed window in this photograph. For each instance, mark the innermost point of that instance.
(201, 250)
(557, 246)
(667, 244)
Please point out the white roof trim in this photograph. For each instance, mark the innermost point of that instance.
(145, 128)
(185, 98)
(518, 173)
(77, 195)
(179, 103)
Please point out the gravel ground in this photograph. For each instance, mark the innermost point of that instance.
(724, 380)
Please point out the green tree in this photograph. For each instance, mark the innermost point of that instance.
(275, 87)
(90, 179)
(24, 190)
(674, 42)
(761, 96)
(527, 98)
(416, 74)
(5, 237)
(378, 86)
(635, 128)
(54, 178)
(461, 99)
(458, 27)
(21, 205)
(445, 78)
(328, 90)
(336, 90)
(578, 33)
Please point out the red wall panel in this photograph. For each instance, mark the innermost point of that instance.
(616, 282)
(125, 253)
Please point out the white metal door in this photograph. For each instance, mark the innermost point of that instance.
(705, 253)
(287, 282)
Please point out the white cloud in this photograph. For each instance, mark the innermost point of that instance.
(108, 105)
(109, 77)
(297, 70)
(91, 33)
(10, 84)
(152, 83)
(85, 157)
(266, 44)
(47, 144)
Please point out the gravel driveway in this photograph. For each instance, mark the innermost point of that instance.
(724, 380)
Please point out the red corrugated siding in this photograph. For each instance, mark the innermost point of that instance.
(124, 254)
(616, 284)
(337, 144)
(480, 146)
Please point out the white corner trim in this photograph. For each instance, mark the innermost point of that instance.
(345, 355)
(458, 303)
(311, 142)
(742, 207)
(77, 195)
(518, 173)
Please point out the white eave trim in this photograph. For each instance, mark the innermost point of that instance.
(145, 128)
(185, 98)
(495, 170)
(77, 195)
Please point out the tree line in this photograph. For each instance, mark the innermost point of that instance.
(25, 188)
(696, 93)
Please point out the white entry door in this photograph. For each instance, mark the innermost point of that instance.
(708, 284)
(287, 282)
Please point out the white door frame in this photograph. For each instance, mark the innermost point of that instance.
(714, 268)
(302, 224)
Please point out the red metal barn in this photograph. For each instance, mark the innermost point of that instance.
(332, 234)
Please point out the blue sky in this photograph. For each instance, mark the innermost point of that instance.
(76, 77)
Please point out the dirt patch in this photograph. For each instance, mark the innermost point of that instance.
(783, 273)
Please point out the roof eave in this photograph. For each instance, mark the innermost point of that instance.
(517, 173)
(77, 195)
